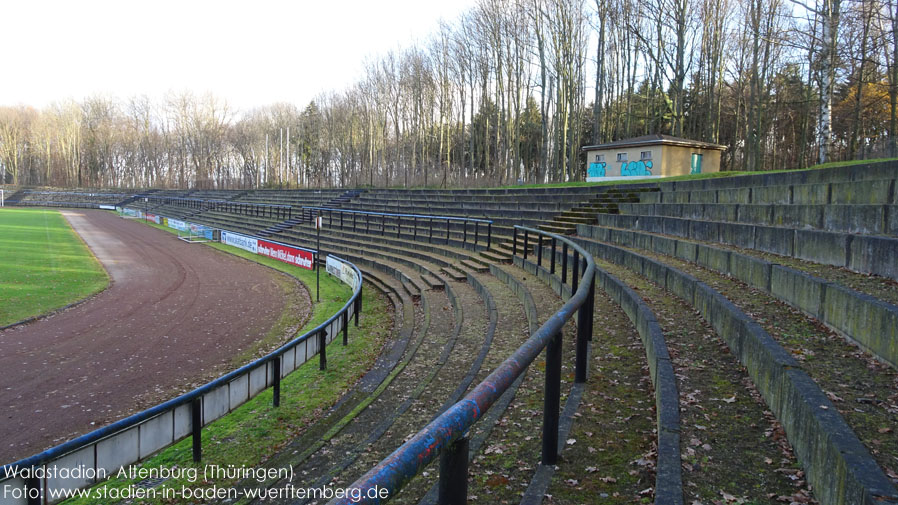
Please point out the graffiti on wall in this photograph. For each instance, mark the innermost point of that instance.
(596, 169)
(636, 168)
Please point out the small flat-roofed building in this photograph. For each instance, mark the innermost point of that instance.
(651, 156)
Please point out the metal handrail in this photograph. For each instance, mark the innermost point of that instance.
(446, 435)
(393, 214)
(414, 217)
(194, 396)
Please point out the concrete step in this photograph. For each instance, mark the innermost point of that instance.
(575, 220)
(578, 212)
(433, 282)
(559, 228)
(496, 256)
(454, 274)
(503, 248)
(475, 266)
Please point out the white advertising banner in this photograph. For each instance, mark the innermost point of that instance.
(240, 241)
(178, 225)
(342, 271)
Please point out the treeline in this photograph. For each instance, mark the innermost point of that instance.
(510, 91)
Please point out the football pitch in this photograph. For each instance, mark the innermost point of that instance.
(44, 264)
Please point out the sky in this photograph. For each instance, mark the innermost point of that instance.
(250, 53)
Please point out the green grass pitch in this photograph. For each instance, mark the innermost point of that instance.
(44, 264)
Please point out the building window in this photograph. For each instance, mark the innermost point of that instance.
(645, 155)
(600, 158)
(621, 156)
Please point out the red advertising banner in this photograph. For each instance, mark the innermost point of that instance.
(287, 254)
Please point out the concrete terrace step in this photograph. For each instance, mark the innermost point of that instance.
(561, 229)
(454, 274)
(432, 281)
(576, 219)
(477, 267)
(495, 256)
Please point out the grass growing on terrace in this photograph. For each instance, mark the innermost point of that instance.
(44, 264)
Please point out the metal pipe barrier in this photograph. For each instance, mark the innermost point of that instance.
(446, 436)
(233, 207)
(308, 214)
(138, 436)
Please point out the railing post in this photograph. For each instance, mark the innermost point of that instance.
(526, 242)
(489, 235)
(575, 280)
(552, 400)
(464, 236)
(539, 251)
(454, 473)
(584, 317)
(341, 220)
(34, 497)
(447, 231)
(196, 424)
(592, 308)
(476, 232)
(398, 225)
(276, 365)
(431, 229)
(563, 262)
(367, 224)
(552, 270)
(345, 327)
(322, 349)
(514, 242)
(415, 228)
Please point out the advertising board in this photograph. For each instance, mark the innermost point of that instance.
(240, 241)
(287, 254)
(177, 224)
(342, 271)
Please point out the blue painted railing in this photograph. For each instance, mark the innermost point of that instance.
(446, 435)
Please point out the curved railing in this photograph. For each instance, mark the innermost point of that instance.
(103, 451)
(270, 210)
(308, 213)
(446, 435)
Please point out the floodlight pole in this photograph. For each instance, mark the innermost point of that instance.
(318, 254)
(146, 207)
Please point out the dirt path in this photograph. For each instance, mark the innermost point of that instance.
(174, 315)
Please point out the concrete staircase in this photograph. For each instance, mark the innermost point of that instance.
(606, 202)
